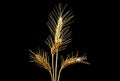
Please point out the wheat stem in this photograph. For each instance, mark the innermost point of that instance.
(59, 74)
(51, 76)
(56, 65)
(52, 67)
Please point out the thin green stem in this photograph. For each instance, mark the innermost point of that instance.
(56, 65)
(59, 74)
(52, 67)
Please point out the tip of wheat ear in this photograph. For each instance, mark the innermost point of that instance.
(41, 59)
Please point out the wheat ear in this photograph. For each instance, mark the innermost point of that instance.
(58, 23)
(73, 60)
(41, 59)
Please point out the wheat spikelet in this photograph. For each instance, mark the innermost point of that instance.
(58, 23)
(72, 60)
(41, 59)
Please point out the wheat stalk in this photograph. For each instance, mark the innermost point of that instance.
(58, 23)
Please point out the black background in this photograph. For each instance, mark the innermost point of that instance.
(25, 28)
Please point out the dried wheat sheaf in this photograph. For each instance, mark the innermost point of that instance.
(58, 22)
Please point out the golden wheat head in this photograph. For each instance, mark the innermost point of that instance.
(58, 23)
(73, 60)
(41, 59)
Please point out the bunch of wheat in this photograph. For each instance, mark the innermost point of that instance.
(58, 23)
